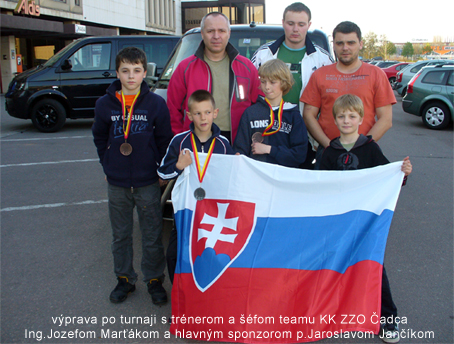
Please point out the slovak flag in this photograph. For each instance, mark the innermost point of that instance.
(280, 255)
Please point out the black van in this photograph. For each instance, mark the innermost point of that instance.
(70, 82)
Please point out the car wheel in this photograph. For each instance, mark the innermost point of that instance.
(392, 80)
(48, 115)
(436, 115)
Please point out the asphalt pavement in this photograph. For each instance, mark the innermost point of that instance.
(56, 264)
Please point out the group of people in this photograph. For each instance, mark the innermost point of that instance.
(277, 107)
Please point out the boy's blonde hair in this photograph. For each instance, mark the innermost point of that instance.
(200, 96)
(277, 70)
(348, 102)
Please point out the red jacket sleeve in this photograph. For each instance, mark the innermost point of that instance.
(256, 91)
(176, 99)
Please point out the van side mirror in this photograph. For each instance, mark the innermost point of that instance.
(66, 65)
(151, 72)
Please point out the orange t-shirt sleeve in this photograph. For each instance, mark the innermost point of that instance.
(384, 94)
(311, 94)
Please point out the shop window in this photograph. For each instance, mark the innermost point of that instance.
(43, 53)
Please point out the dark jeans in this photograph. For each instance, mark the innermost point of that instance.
(227, 134)
(171, 254)
(310, 156)
(121, 205)
(388, 307)
(318, 157)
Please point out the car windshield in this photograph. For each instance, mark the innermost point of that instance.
(246, 45)
(246, 40)
(56, 57)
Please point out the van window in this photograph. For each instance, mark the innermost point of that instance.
(158, 51)
(54, 59)
(91, 57)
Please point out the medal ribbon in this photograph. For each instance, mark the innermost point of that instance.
(279, 116)
(123, 107)
(201, 172)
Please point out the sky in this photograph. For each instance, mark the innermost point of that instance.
(401, 21)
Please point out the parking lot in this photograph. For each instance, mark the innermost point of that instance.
(56, 264)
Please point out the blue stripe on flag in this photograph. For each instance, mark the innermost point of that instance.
(305, 243)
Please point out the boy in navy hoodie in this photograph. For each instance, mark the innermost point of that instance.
(131, 133)
(203, 133)
(271, 130)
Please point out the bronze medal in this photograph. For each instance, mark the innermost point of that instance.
(125, 149)
(199, 194)
(257, 137)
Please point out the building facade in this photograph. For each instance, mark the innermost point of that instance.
(238, 11)
(34, 30)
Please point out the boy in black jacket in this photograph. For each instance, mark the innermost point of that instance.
(131, 133)
(204, 136)
(353, 151)
(271, 130)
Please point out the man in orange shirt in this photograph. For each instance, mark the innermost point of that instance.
(348, 75)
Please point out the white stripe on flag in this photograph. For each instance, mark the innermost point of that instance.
(288, 192)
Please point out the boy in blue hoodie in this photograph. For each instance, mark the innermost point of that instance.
(271, 130)
(204, 134)
(131, 133)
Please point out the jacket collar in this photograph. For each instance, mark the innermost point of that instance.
(362, 140)
(214, 129)
(230, 49)
(116, 86)
(310, 48)
(287, 106)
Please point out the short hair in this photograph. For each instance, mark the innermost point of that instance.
(347, 27)
(348, 102)
(131, 55)
(200, 96)
(275, 69)
(202, 23)
(297, 7)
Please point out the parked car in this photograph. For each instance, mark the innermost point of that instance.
(386, 64)
(430, 95)
(392, 71)
(245, 38)
(403, 78)
(70, 82)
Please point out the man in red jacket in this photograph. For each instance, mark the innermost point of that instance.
(215, 62)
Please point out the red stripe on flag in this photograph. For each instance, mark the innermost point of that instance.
(322, 302)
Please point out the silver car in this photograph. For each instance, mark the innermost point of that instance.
(404, 77)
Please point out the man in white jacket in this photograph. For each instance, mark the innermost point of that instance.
(297, 50)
